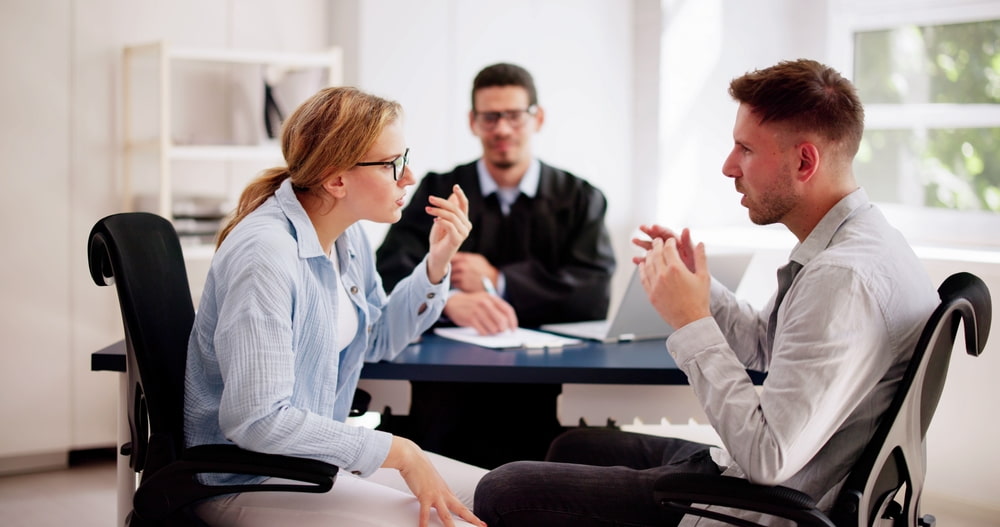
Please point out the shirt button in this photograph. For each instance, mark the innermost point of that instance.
(370, 328)
(430, 295)
(356, 472)
(354, 289)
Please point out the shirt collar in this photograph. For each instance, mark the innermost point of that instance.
(822, 234)
(528, 185)
(305, 233)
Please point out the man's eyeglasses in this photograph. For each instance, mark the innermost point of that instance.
(398, 164)
(515, 118)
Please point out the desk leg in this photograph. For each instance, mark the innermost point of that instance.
(124, 474)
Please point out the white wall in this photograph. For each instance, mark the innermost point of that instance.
(35, 317)
(706, 44)
(61, 165)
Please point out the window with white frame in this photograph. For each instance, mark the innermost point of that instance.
(928, 73)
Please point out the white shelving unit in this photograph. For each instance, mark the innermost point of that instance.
(204, 108)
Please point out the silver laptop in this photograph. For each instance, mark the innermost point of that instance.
(636, 319)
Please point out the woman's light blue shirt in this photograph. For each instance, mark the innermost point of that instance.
(262, 368)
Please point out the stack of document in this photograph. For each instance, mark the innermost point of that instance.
(518, 338)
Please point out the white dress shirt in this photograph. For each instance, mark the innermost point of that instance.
(845, 331)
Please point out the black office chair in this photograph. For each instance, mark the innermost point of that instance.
(141, 255)
(886, 482)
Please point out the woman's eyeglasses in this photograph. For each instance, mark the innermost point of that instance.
(398, 164)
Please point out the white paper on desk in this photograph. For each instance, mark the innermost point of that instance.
(518, 338)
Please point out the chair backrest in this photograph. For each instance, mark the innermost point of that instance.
(140, 254)
(895, 457)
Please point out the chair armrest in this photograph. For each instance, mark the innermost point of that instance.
(176, 485)
(677, 492)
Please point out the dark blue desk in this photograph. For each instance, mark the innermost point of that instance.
(439, 359)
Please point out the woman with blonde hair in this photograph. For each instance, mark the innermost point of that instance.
(292, 308)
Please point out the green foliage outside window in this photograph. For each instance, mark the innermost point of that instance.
(957, 168)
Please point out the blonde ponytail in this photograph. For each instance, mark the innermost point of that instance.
(256, 192)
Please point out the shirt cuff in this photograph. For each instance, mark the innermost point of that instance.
(685, 343)
(375, 450)
(441, 288)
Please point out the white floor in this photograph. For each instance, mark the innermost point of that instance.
(81, 496)
(84, 496)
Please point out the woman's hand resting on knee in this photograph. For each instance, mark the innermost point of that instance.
(426, 484)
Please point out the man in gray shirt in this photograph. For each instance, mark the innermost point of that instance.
(835, 339)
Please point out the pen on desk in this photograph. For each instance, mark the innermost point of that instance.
(488, 285)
